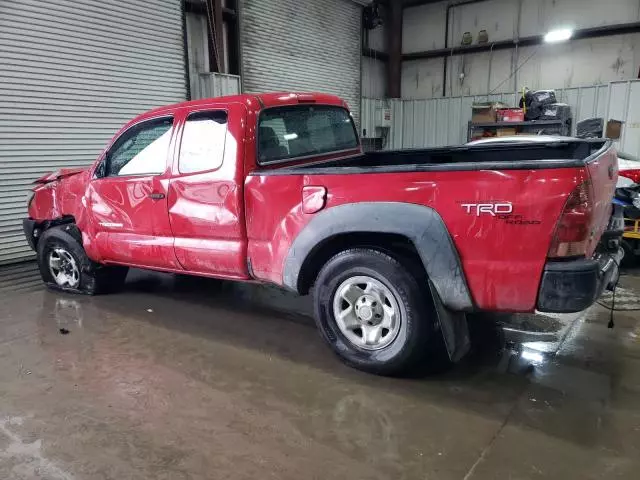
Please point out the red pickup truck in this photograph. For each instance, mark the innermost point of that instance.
(396, 246)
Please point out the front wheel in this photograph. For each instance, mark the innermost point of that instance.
(64, 265)
(373, 312)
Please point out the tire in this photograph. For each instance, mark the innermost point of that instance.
(79, 273)
(409, 345)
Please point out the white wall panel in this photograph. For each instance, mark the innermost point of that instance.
(421, 78)
(539, 16)
(71, 73)
(630, 141)
(498, 17)
(423, 27)
(481, 73)
(581, 62)
(302, 45)
(373, 78)
(369, 116)
(572, 64)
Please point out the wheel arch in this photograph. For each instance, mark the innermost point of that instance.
(389, 226)
(34, 229)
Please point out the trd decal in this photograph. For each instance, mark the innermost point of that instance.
(501, 211)
(492, 209)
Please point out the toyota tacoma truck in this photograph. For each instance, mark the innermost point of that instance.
(397, 247)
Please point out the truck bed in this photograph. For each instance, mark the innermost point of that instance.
(512, 154)
(502, 256)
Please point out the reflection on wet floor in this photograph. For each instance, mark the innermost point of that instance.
(193, 378)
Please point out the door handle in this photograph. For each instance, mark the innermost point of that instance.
(156, 196)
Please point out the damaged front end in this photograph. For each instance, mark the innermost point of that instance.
(56, 200)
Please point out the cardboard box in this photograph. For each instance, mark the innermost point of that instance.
(614, 129)
(505, 132)
(485, 112)
(510, 115)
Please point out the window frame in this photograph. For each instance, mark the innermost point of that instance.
(205, 111)
(311, 155)
(106, 159)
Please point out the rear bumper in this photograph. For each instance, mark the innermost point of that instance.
(573, 286)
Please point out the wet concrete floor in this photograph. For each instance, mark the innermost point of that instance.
(197, 379)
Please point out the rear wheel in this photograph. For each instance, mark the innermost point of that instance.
(372, 312)
(64, 264)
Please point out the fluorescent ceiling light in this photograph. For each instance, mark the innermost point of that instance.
(290, 136)
(560, 35)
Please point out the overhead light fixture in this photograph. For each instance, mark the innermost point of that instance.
(560, 35)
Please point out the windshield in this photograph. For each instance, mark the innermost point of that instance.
(304, 130)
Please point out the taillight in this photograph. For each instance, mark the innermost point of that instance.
(633, 175)
(573, 229)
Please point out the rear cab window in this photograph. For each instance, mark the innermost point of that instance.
(286, 133)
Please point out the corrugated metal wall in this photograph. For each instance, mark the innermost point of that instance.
(443, 121)
(369, 116)
(302, 45)
(71, 73)
(624, 104)
(207, 85)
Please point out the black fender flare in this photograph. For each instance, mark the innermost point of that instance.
(422, 225)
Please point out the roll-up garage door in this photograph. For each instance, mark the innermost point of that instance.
(302, 45)
(71, 73)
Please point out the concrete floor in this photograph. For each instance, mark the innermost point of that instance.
(180, 379)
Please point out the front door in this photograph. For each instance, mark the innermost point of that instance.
(128, 197)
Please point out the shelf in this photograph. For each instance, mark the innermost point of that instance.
(531, 123)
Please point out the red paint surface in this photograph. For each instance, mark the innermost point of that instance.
(206, 209)
(502, 262)
(313, 198)
(604, 175)
(212, 223)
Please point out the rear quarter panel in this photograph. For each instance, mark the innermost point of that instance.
(502, 257)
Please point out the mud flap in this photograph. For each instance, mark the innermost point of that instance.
(454, 328)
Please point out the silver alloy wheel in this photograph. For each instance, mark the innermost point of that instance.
(63, 268)
(367, 312)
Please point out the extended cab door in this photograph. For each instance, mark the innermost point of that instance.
(206, 206)
(128, 197)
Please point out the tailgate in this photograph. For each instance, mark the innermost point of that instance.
(603, 172)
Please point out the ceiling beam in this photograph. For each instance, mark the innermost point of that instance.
(595, 32)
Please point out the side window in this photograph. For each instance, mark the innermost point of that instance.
(141, 150)
(203, 139)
